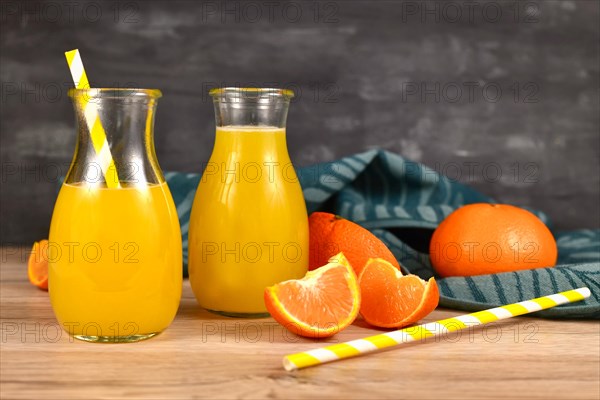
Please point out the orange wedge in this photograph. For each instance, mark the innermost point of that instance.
(393, 300)
(330, 234)
(319, 305)
(37, 265)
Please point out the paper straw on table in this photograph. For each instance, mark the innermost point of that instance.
(93, 122)
(411, 334)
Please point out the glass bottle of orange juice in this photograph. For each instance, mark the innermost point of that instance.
(248, 227)
(115, 245)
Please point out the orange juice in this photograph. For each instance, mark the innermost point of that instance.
(115, 260)
(248, 228)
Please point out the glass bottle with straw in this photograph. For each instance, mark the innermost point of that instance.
(115, 244)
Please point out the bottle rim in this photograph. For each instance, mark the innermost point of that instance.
(249, 92)
(114, 93)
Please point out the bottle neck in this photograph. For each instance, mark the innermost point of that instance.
(115, 143)
(251, 107)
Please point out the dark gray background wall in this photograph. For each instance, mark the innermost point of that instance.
(502, 95)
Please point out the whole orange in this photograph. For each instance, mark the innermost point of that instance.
(482, 238)
(330, 234)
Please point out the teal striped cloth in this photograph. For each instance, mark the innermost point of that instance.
(402, 202)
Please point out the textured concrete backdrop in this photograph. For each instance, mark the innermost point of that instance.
(502, 95)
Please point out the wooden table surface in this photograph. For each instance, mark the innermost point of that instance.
(202, 355)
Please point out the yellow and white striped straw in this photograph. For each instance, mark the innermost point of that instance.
(390, 339)
(92, 119)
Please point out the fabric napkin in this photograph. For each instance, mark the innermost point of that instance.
(402, 202)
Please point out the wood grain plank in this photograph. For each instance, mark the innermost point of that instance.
(207, 356)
